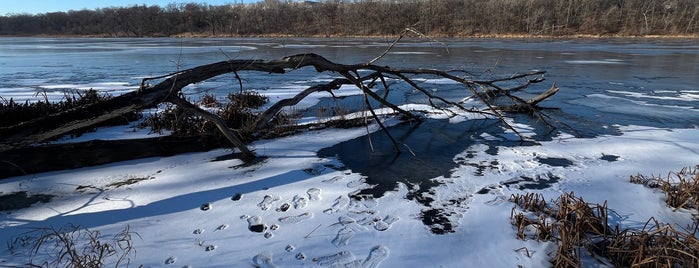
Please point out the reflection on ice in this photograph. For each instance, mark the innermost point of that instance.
(103, 86)
(660, 95)
(605, 61)
(411, 53)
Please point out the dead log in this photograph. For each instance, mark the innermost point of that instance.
(534, 101)
(529, 106)
(169, 87)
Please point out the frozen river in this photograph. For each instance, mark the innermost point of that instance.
(626, 106)
(603, 82)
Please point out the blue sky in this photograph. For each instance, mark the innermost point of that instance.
(43, 6)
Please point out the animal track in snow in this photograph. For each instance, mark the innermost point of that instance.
(289, 248)
(171, 260)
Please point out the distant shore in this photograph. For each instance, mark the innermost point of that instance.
(479, 36)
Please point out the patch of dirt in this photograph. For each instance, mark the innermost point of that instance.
(129, 181)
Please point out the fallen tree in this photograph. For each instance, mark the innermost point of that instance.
(364, 76)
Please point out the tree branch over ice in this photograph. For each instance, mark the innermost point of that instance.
(168, 89)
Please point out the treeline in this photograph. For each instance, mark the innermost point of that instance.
(371, 18)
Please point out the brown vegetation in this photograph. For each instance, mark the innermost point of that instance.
(73, 246)
(454, 18)
(577, 226)
(681, 188)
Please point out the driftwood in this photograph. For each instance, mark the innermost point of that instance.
(529, 106)
(41, 130)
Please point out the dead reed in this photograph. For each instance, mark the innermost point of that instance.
(582, 229)
(13, 112)
(73, 246)
(238, 113)
(656, 245)
(681, 188)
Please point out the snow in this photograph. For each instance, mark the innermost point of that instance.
(165, 208)
(204, 209)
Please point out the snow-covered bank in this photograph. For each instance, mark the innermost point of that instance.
(302, 207)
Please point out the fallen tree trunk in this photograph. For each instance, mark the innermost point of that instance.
(41, 130)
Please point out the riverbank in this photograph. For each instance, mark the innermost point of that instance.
(479, 36)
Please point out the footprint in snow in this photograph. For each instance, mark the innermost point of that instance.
(350, 222)
(284, 207)
(349, 227)
(313, 194)
(356, 183)
(263, 260)
(295, 219)
(335, 260)
(255, 224)
(343, 236)
(363, 203)
(267, 202)
(340, 203)
(334, 179)
(385, 223)
(376, 256)
(299, 202)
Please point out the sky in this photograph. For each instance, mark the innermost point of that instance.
(44, 6)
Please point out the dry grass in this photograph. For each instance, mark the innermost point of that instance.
(681, 188)
(73, 246)
(581, 228)
(656, 245)
(569, 220)
(13, 112)
(238, 112)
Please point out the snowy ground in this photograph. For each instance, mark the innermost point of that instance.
(293, 209)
